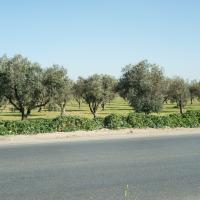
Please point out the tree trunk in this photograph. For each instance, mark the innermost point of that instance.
(79, 102)
(103, 106)
(24, 116)
(94, 114)
(62, 106)
(93, 110)
(40, 109)
(181, 106)
(191, 100)
(165, 100)
(62, 111)
(79, 105)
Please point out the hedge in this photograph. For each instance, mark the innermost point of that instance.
(189, 119)
(114, 121)
(60, 124)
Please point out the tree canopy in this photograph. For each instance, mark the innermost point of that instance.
(60, 86)
(78, 90)
(142, 86)
(22, 84)
(194, 89)
(178, 92)
(109, 84)
(26, 86)
(93, 92)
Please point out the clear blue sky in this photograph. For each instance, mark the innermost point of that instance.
(102, 36)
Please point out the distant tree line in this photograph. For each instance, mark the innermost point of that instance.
(27, 86)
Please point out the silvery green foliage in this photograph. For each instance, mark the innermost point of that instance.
(194, 89)
(93, 92)
(109, 88)
(142, 85)
(98, 90)
(60, 86)
(25, 84)
(78, 90)
(179, 92)
(21, 82)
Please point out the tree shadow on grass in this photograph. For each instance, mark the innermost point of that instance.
(107, 109)
(75, 110)
(19, 115)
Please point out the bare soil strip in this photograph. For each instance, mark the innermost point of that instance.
(102, 134)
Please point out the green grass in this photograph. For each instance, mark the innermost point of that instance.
(118, 105)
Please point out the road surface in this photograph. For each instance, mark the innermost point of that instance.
(157, 168)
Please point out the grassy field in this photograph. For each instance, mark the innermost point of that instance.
(118, 105)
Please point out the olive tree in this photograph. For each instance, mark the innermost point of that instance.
(166, 84)
(60, 85)
(93, 92)
(109, 84)
(3, 100)
(194, 90)
(78, 91)
(142, 86)
(124, 83)
(3, 103)
(22, 84)
(178, 92)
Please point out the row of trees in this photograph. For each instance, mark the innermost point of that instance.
(28, 86)
(147, 89)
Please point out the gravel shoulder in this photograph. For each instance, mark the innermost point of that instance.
(102, 134)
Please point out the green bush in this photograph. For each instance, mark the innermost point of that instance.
(135, 120)
(73, 123)
(60, 124)
(161, 121)
(29, 126)
(115, 121)
(94, 124)
(4, 131)
(189, 119)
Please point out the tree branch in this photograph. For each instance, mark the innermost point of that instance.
(10, 101)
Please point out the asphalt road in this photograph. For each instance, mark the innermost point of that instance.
(161, 168)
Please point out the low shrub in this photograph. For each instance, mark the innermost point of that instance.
(94, 124)
(115, 121)
(29, 126)
(73, 123)
(4, 131)
(135, 120)
(189, 119)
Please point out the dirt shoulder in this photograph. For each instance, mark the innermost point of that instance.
(102, 134)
